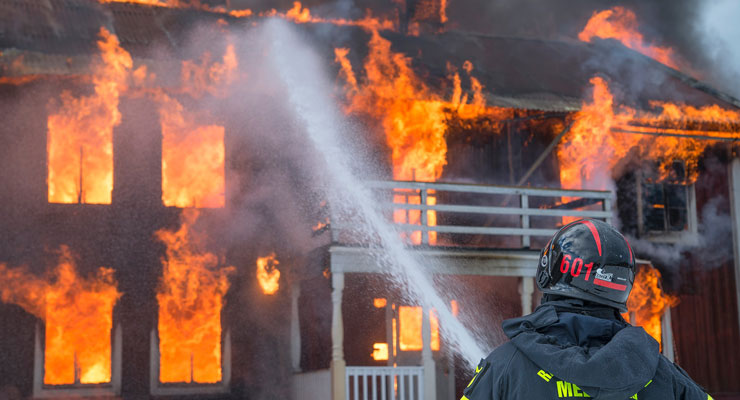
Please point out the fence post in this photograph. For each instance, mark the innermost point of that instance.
(525, 220)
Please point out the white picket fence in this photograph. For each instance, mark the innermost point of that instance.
(384, 383)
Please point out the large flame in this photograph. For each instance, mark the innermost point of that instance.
(597, 141)
(80, 137)
(190, 296)
(412, 117)
(648, 302)
(193, 154)
(192, 158)
(621, 24)
(268, 275)
(74, 309)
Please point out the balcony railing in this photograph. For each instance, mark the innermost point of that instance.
(426, 211)
(384, 383)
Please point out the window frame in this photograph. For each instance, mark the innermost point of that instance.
(108, 389)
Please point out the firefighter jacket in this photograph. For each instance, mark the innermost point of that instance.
(567, 349)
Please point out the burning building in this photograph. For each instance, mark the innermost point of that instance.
(159, 202)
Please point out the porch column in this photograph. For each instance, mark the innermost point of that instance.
(734, 174)
(338, 365)
(427, 362)
(295, 327)
(526, 289)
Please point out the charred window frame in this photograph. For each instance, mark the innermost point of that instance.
(664, 209)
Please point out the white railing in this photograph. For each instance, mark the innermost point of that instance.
(499, 210)
(384, 383)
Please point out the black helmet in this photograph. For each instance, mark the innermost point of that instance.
(590, 260)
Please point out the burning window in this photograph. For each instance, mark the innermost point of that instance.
(74, 309)
(80, 132)
(410, 325)
(192, 159)
(191, 297)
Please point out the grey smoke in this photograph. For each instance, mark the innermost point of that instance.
(720, 33)
(711, 244)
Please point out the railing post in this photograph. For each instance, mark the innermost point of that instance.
(525, 220)
(424, 217)
(608, 207)
(338, 365)
(526, 289)
(430, 380)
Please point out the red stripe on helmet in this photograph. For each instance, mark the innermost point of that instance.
(610, 285)
(595, 233)
(629, 247)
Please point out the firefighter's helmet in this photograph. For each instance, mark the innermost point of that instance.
(589, 260)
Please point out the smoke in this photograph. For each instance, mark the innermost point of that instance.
(710, 244)
(719, 33)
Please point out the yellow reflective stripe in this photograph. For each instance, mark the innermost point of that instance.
(477, 370)
(708, 397)
(464, 398)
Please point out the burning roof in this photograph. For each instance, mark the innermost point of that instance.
(549, 75)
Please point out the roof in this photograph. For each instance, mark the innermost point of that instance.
(57, 37)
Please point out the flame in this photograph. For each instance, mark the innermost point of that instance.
(80, 137)
(412, 117)
(192, 159)
(410, 325)
(596, 141)
(193, 154)
(190, 297)
(648, 302)
(454, 308)
(268, 275)
(195, 4)
(621, 24)
(74, 310)
(302, 15)
(199, 78)
(379, 302)
(380, 352)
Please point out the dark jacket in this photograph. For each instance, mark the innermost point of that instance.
(568, 349)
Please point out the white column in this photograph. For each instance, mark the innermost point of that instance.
(295, 326)
(526, 289)
(427, 362)
(667, 335)
(734, 173)
(338, 365)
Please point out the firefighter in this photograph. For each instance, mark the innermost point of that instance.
(576, 344)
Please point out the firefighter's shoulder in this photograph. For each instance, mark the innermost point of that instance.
(488, 377)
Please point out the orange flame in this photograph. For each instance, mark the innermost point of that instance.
(268, 275)
(597, 142)
(648, 302)
(74, 310)
(80, 138)
(192, 159)
(410, 325)
(413, 117)
(380, 352)
(193, 154)
(196, 4)
(190, 298)
(302, 15)
(621, 24)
